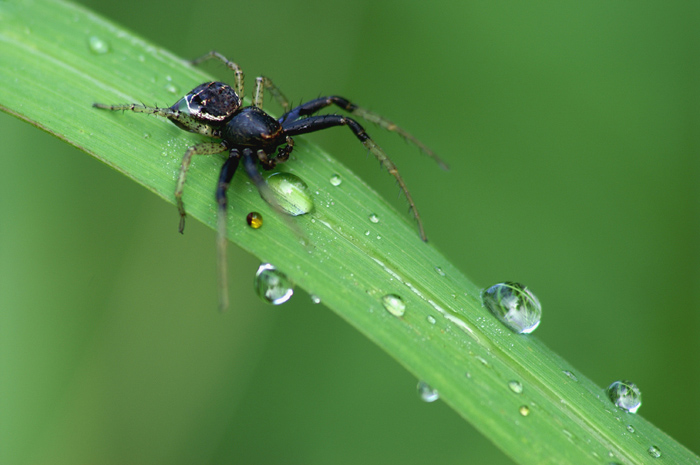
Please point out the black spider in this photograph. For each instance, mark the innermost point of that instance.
(250, 135)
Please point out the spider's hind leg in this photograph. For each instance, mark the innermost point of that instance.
(205, 148)
(237, 71)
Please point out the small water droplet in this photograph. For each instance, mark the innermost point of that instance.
(374, 218)
(630, 428)
(524, 410)
(172, 88)
(516, 386)
(315, 299)
(431, 319)
(654, 451)
(146, 135)
(514, 305)
(571, 375)
(626, 395)
(335, 180)
(254, 220)
(394, 304)
(439, 271)
(292, 194)
(272, 285)
(427, 393)
(97, 45)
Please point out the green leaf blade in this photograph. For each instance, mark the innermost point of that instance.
(51, 77)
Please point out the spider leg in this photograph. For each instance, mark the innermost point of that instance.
(225, 176)
(317, 123)
(180, 118)
(276, 93)
(261, 83)
(239, 78)
(313, 106)
(205, 148)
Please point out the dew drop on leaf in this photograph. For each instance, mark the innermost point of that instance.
(271, 285)
(394, 304)
(514, 305)
(626, 395)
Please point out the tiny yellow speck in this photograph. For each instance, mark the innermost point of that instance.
(254, 220)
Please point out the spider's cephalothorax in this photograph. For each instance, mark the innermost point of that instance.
(250, 136)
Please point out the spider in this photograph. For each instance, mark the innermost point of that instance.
(250, 135)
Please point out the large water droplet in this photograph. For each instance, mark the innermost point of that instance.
(394, 304)
(626, 395)
(514, 305)
(427, 393)
(654, 451)
(336, 180)
(272, 285)
(254, 220)
(374, 218)
(524, 410)
(97, 45)
(292, 194)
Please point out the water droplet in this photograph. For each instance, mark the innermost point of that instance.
(374, 218)
(516, 386)
(272, 285)
(654, 452)
(571, 375)
(524, 410)
(626, 395)
(292, 194)
(394, 304)
(630, 428)
(146, 135)
(172, 88)
(431, 319)
(514, 305)
(315, 299)
(254, 220)
(97, 45)
(427, 393)
(335, 180)
(439, 271)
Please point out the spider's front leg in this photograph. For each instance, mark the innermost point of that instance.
(317, 123)
(225, 176)
(313, 106)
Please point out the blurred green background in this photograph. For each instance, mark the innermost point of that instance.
(572, 133)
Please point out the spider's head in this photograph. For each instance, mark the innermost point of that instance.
(208, 105)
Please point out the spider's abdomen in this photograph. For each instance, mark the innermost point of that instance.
(252, 127)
